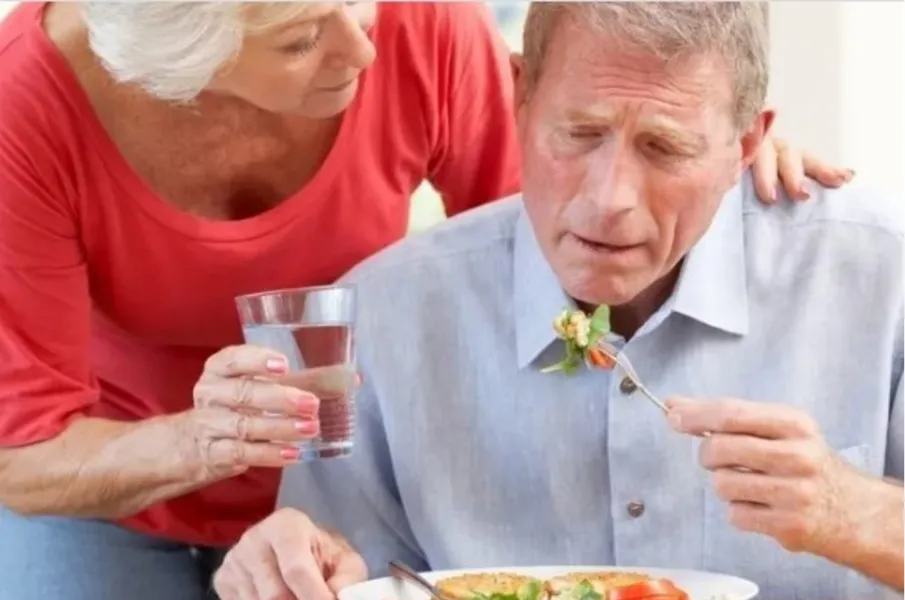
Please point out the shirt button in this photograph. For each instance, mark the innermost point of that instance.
(635, 509)
(627, 386)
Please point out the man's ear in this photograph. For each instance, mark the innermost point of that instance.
(517, 65)
(757, 135)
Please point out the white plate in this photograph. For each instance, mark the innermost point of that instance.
(698, 585)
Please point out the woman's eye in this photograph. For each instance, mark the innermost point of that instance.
(303, 46)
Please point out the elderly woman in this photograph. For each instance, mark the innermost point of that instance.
(157, 160)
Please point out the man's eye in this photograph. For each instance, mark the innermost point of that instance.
(661, 149)
(581, 134)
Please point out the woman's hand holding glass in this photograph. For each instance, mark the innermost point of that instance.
(244, 416)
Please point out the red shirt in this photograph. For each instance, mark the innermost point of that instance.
(111, 299)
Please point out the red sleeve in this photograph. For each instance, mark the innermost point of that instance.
(45, 373)
(476, 158)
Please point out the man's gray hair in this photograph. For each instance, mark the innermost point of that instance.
(738, 32)
(173, 49)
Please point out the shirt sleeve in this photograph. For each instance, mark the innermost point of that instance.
(45, 371)
(895, 448)
(476, 158)
(894, 445)
(357, 496)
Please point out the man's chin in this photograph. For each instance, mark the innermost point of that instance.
(596, 293)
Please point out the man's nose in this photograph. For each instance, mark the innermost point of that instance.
(613, 182)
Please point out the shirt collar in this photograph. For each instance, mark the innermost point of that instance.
(713, 285)
(537, 294)
(711, 289)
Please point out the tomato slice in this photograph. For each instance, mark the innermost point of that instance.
(655, 589)
(597, 358)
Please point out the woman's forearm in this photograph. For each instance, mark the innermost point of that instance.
(101, 468)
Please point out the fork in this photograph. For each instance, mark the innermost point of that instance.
(403, 572)
(613, 354)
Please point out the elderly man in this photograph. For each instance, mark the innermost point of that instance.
(778, 331)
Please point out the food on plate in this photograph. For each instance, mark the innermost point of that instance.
(601, 585)
(591, 586)
(491, 586)
(652, 589)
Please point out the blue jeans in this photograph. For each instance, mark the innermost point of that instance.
(45, 558)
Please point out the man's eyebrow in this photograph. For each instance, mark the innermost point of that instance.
(660, 125)
(672, 130)
(591, 115)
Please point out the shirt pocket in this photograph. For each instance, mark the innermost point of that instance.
(778, 572)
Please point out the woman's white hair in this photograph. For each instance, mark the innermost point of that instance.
(173, 49)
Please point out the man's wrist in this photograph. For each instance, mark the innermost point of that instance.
(870, 537)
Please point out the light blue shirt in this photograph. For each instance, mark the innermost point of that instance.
(467, 456)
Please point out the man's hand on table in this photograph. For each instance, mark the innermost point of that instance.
(780, 478)
(287, 556)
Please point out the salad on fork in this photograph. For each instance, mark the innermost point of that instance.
(586, 344)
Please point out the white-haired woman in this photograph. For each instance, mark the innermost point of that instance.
(156, 160)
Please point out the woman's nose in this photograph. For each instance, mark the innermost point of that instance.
(355, 20)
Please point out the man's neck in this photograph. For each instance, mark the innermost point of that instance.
(626, 319)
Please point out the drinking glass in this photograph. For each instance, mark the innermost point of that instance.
(314, 328)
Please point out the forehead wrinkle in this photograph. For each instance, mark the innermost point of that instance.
(278, 17)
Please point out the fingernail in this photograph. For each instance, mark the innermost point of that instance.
(291, 454)
(306, 403)
(358, 379)
(675, 421)
(803, 193)
(849, 175)
(307, 427)
(276, 365)
(672, 402)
